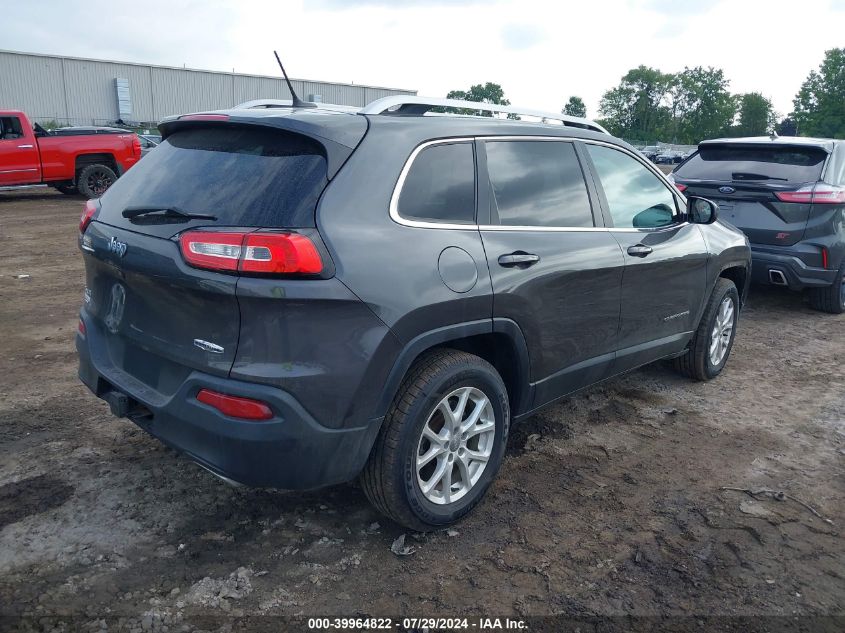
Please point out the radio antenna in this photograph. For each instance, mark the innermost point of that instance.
(296, 101)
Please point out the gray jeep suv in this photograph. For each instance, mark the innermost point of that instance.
(295, 297)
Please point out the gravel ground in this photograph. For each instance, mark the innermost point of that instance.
(608, 504)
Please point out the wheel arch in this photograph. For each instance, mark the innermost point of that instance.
(739, 274)
(498, 341)
(83, 160)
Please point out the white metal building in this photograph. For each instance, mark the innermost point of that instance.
(78, 91)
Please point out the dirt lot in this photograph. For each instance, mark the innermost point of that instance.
(608, 504)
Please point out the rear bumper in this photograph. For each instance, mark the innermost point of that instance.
(291, 450)
(765, 266)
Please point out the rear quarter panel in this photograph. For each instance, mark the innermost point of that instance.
(391, 267)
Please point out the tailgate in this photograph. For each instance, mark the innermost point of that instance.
(745, 179)
(161, 318)
(755, 210)
(155, 317)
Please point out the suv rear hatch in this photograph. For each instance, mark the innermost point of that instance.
(160, 310)
(754, 185)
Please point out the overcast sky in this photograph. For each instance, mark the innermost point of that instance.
(540, 51)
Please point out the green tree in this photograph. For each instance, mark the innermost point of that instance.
(756, 115)
(820, 104)
(636, 107)
(787, 127)
(702, 106)
(575, 107)
(482, 93)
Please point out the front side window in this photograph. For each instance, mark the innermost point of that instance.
(440, 186)
(537, 183)
(636, 197)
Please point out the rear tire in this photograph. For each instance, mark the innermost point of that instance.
(429, 469)
(94, 180)
(712, 342)
(832, 298)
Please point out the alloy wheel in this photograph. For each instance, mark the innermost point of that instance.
(720, 337)
(99, 181)
(455, 445)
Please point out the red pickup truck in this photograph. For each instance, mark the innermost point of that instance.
(83, 160)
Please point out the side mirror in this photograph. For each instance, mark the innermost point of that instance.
(654, 217)
(702, 210)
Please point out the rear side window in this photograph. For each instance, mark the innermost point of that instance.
(537, 183)
(747, 162)
(245, 176)
(636, 197)
(440, 186)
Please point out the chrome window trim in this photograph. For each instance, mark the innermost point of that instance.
(397, 190)
(423, 224)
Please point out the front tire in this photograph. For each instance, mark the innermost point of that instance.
(714, 338)
(68, 190)
(832, 298)
(441, 443)
(94, 180)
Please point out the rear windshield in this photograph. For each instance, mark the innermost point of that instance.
(744, 162)
(244, 176)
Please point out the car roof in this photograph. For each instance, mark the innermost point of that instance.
(343, 125)
(826, 144)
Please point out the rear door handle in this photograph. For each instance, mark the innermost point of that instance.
(518, 260)
(24, 146)
(639, 250)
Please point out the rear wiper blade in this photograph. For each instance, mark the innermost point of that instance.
(744, 175)
(135, 212)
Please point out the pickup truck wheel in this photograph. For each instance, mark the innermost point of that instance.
(93, 180)
(68, 190)
(441, 443)
(714, 338)
(832, 298)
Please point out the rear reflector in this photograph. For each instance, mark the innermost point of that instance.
(273, 253)
(824, 257)
(81, 327)
(235, 406)
(826, 195)
(88, 212)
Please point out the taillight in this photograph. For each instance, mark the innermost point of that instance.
(81, 327)
(824, 257)
(215, 251)
(279, 253)
(88, 212)
(801, 196)
(235, 406)
(680, 187)
(136, 145)
(829, 195)
(821, 194)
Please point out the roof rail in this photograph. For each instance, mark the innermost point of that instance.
(411, 105)
(288, 103)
